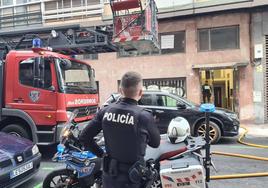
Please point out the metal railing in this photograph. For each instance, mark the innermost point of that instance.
(21, 19)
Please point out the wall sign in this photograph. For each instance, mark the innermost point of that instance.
(257, 96)
(167, 41)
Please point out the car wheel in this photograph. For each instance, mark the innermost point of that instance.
(16, 130)
(214, 131)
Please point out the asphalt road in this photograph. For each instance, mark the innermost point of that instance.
(224, 165)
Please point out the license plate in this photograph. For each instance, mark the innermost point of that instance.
(85, 171)
(21, 170)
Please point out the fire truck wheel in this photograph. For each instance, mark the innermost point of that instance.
(17, 130)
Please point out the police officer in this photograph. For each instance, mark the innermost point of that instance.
(127, 129)
(206, 91)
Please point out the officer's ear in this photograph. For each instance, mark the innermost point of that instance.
(121, 91)
(140, 93)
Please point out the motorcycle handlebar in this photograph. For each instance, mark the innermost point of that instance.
(74, 147)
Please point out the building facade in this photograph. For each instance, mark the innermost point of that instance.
(19, 14)
(214, 47)
(201, 41)
(259, 40)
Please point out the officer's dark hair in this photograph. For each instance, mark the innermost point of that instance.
(130, 82)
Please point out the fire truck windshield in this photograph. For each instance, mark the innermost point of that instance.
(75, 77)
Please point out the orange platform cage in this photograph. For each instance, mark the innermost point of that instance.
(135, 25)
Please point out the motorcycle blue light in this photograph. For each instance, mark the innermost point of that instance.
(207, 107)
(90, 155)
(37, 43)
(60, 148)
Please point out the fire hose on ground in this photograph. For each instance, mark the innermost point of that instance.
(251, 157)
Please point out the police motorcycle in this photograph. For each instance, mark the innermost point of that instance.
(178, 161)
(82, 168)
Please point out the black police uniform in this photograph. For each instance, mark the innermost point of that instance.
(127, 130)
(206, 91)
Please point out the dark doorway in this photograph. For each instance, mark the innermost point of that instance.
(218, 96)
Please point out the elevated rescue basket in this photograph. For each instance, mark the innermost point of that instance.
(135, 25)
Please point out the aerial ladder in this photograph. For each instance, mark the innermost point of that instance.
(134, 29)
(135, 26)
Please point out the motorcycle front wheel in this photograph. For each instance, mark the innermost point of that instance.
(61, 178)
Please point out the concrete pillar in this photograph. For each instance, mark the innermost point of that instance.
(258, 37)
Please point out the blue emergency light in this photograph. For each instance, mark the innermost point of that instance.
(207, 107)
(60, 148)
(37, 43)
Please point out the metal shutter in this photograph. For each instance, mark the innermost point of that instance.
(266, 80)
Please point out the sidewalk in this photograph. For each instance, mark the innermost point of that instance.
(260, 130)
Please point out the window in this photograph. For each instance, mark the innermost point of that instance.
(93, 2)
(7, 18)
(18, 2)
(146, 100)
(172, 85)
(21, 9)
(7, 2)
(66, 3)
(34, 8)
(172, 42)
(26, 74)
(167, 101)
(218, 38)
(77, 3)
(20, 13)
(91, 56)
(51, 5)
(135, 53)
(7, 12)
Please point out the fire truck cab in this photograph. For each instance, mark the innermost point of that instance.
(39, 89)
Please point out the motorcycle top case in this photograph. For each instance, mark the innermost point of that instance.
(186, 172)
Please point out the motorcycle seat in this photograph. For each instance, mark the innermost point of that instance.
(165, 151)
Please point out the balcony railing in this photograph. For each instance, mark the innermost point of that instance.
(89, 10)
(21, 19)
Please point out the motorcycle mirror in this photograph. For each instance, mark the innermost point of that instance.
(72, 116)
(52, 88)
(65, 64)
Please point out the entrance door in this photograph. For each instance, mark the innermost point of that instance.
(218, 96)
(223, 83)
(236, 91)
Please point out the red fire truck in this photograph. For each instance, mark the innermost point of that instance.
(40, 89)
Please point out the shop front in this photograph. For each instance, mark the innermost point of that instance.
(220, 84)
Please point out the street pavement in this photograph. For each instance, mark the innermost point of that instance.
(225, 165)
(232, 165)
